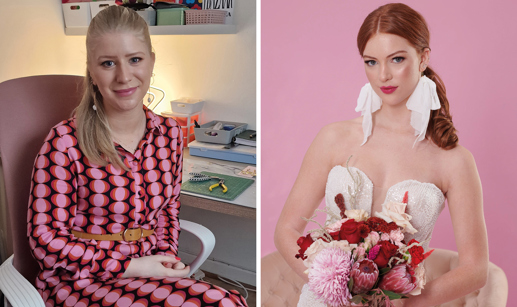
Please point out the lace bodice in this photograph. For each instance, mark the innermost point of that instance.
(425, 203)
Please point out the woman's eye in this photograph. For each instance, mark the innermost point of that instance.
(135, 60)
(398, 59)
(108, 63)
(370, 62)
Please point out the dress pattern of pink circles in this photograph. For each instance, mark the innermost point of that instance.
(69, 192)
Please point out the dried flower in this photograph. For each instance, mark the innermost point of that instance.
(329, 276)
(399, 279)
(364, 274)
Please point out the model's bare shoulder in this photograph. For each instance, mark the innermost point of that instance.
(342, 131)
(459, 164)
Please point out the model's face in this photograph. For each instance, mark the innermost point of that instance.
(121, 66)
(393, 67)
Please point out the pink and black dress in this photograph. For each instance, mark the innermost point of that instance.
(69, 192)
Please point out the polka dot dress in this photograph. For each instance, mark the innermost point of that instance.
(69, 192)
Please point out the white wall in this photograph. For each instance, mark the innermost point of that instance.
(217, 68)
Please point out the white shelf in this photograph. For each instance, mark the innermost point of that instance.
(205, 29)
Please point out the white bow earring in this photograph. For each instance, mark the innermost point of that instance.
(421, 102)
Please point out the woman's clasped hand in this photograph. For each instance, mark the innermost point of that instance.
(156, 266)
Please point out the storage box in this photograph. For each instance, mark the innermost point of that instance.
(187, 105)
(206, 133)
(149, 15)
(186, 122)
(205, 17)
(172, 16)
(96, 7)
(76, 14)
(243, 154)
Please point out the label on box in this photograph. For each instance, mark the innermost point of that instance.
(226, 5)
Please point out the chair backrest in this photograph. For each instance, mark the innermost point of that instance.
(29, 108)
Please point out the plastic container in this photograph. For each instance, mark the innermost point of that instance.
(186, 122)
(170, 17)
(206, 133)
(76, 14)
(96, 7)
(149, 15)
(187, 105)
(243, 154)
(205, 17)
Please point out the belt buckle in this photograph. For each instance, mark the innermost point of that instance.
(124, 234)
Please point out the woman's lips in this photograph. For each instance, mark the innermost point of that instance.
(388, 89)
(126, 92)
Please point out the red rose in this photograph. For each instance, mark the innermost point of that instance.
(334, 235)
(417, 253)
(387, 251)
(303, 243)
(351, 231)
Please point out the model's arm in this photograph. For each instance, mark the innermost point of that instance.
(305, 196)
(168, 228)
(465, 199)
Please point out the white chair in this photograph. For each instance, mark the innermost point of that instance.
(29, 107)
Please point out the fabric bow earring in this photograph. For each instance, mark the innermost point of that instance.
(420, 103)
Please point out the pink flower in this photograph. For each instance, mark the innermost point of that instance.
(399, 279)
(372, 238)
(396, 236)
(336, 226)
(329, 276)
(365, 275)
(385, 237)
(359, 253)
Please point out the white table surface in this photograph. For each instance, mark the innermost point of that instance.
(248, 198)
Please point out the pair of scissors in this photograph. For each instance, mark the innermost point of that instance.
(203, 177)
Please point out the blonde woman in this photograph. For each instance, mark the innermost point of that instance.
(103, 212)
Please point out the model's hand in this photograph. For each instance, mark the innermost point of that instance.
(156, 266)
(176, 266)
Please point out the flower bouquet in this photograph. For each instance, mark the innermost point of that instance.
(360, 259)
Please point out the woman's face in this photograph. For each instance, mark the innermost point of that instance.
(393, 67)
(121, 66)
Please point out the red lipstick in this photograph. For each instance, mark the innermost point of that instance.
(388, 89)
(126, 92)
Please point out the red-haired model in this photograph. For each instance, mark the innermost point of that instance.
(404, 141)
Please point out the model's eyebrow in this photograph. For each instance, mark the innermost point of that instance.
(127, 55)
(371, 57)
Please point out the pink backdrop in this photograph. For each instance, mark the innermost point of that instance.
(312, 74)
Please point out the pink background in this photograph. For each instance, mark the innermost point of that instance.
(312, 74)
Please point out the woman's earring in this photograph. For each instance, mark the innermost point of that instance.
(94, 107)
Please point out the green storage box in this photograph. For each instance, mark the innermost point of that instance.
(172, 16)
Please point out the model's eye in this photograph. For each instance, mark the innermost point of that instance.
(370, 62)
(135, 60)
(108, 63)
(398, 59)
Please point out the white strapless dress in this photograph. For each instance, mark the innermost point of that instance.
(425, 203)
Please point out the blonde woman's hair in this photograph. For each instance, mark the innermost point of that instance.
(93, 131)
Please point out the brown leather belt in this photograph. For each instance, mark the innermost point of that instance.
(130, 234)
